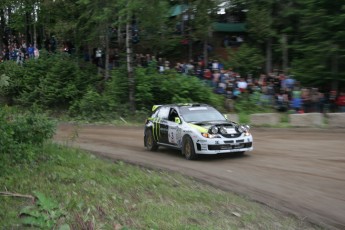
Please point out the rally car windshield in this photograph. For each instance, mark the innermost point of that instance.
(201, 114)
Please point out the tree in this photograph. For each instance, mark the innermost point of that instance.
(246, 60)
(320, 45)
(260, 27)
(205, 11)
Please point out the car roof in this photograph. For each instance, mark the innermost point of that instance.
(155, 107)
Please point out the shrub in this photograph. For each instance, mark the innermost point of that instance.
(250, 103)
(50, 81)
(151, 88)
(21, 133)
(171, 87)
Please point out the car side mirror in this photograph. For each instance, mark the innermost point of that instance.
(226, 116)
(177, 120)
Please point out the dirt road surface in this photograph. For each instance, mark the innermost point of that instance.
(298, 171)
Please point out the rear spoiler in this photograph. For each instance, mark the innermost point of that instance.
(155, 107)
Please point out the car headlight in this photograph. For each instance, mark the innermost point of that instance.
(213, 130)
(244, 128)
(222, 130)
(208, 135)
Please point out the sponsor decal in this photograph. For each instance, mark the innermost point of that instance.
(179, 136)
(203, 146)
(201, 141)
(156, 127)
(231, 131)
(172, 135)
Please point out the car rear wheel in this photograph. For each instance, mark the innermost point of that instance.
(150, 143)
(188, 148)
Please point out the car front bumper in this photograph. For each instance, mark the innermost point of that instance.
(219, 146)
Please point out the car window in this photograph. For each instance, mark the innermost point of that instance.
(200, 114)
(172, 114)
(155, 113)
(163, 113)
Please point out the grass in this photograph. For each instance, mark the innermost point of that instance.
(77, 190)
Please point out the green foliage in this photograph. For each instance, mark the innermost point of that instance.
(250, 104)
(22, 134)
(3, 81)
(93, 106)
(171, 87)
(245, 60)
(14, 75)
(151, 88)
(51, 81)
(44, 214)
(105, 105)
(76, 190)
(260, 21)
(320, 44)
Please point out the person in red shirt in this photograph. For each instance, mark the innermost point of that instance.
(340, 101)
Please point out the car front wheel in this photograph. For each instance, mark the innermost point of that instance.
(150, 143)
(188, 148)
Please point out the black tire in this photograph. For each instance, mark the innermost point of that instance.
(150, 142)
(188, 149)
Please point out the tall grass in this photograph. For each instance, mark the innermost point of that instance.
(76, 190)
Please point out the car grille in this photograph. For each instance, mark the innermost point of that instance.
(228, 147)
(235, 135)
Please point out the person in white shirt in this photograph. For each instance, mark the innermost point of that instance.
(242, 85)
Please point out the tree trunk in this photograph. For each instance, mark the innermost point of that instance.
(205, 53)
(28, 33)
(106, 64)
(190, 49)
(269, 55)
(2, 28)
(35, 34)
(335, 70)
(119, 34)
(131, 80)
(285, 57)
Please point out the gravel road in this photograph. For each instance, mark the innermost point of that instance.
(298, 171)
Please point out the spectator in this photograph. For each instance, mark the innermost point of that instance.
(296, 101)
(332, 101)
(340, 102)
(36, 53)
(215, 65)
(242, 85)
(31, 51)
(208, 76)
(215, 78)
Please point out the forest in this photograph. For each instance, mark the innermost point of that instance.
(77, 61)
(301, 38)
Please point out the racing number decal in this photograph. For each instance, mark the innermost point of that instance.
(172, 135)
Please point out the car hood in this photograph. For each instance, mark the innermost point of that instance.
(205, 125)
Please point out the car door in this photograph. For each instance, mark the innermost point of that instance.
(161, 125)
(174, 129)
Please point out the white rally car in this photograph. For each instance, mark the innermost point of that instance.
(195, 129)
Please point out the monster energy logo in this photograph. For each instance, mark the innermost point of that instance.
(156, 127)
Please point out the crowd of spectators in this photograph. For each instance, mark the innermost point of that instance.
(18, 50)
(275, 89)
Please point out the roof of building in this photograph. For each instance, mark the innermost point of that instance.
(178, 9)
